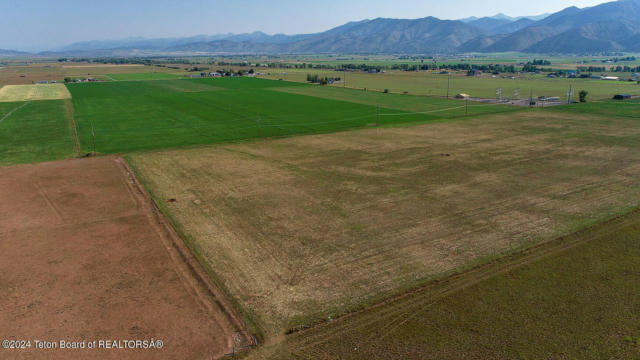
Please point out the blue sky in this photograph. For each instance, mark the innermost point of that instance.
(44, 24)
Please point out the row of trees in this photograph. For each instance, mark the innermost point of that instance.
(601, 69)
(540, 62)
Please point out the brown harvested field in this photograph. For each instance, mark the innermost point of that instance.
(304, 229)
(14, 93)
(84, 256)
(17, 73)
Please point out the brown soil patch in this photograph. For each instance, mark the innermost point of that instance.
(85, 256)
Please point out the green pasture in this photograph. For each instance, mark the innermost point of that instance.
(609, 108)
(445, 108)
(128, 116)
(35, 131)
(485, 86)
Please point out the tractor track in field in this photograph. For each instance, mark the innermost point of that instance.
(14, 110)
(415, 301)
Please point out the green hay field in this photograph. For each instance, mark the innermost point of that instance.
(35, 131)
(140, 115)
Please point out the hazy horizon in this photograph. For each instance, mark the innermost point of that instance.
(41, 25)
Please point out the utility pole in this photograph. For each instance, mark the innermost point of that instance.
(377, 114)
(466, 106)
(531, 99)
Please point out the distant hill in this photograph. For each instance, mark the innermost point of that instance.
(368, 36)
(501, 16)
(489, 24)
(589, 38)
(613, 26)
(513, 26)
(12, 53)
(607, 27)
(392, 36)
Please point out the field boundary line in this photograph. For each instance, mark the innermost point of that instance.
(71, 112)
(456, 281)
(14, 110)
(194, 276)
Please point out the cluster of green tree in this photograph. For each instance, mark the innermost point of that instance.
(315, 79)
(625, 68)
(601, 69)
(561, 73)
(618, 59)
(231, 72)
(242, 72)
(196, 68)
(540, 62)
(591, 69)
(583, 95)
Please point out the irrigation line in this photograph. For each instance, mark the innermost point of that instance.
(14, 110)
(434, 111)
(423, 112)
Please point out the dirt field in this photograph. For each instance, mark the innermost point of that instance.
(13, 93)
(83, 256)
(302, 230)
(18, 72)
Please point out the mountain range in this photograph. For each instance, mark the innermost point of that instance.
(613, 26)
